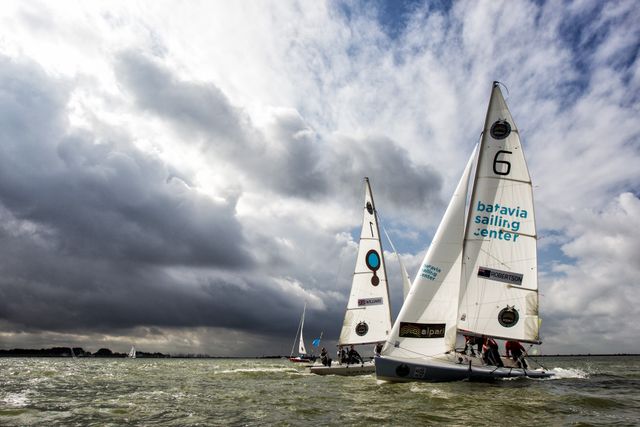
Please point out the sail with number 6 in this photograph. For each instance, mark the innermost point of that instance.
(479, 276)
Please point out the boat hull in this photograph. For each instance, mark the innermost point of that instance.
(434, 370)
(366, 368)
(300, 359)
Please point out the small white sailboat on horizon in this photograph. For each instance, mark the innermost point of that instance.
(367, 319)
(132, 353)
(479, 276)
(302, 356)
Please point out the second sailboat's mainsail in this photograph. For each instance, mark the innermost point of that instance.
(368, 316)
(426, 324)
(499, 292)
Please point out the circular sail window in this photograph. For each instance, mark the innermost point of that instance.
(500, 129)
(362, 328)
(508, 317)
(369, 208)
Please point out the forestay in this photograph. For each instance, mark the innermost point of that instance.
(368, 316)
(500, 286)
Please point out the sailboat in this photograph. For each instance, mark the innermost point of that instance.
(132, 353)
(302, 356)
(479, 276)
(367, 319)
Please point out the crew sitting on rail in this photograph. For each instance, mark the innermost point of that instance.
(490, 353)
(354, 356)
(517, 353)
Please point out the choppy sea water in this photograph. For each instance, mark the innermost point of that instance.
(190, 392)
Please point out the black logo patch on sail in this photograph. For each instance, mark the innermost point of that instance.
(508, 316)
(500, 276)
(362, 328)
(500, 129)
(369, 208)
(422, 330)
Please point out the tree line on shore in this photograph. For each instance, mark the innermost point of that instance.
(72, 352)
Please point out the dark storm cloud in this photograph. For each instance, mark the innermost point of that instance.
(402, 184)
(105, 198)
(204, 113)
(43, 290)
(90, 226)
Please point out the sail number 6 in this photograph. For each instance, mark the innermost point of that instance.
(496, 161)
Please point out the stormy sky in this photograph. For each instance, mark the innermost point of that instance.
(183, 176)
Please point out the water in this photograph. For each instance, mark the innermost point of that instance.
(190, 392)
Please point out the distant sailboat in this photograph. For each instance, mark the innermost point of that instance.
(479, 276)
(367, 319)
(302, 350)
(132, 353)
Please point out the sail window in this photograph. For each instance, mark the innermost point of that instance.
(369, 208)
(500, 129)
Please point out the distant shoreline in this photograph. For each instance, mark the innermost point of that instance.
(78, 352)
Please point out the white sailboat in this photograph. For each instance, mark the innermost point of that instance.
(132, 353)
(479, 276)
(302, 350)
(367, 319)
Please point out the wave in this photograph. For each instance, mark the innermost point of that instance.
(256, 370)
(562, 373)
(16, 400)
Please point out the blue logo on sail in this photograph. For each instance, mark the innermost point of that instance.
(373, 260)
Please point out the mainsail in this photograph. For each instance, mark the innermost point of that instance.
(368, 315)
(426, 324)
(499, 290)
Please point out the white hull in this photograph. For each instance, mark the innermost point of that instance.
(436, 370)
(366, 368)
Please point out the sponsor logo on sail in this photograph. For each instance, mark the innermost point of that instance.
(372, 259)
(422, 330)
(500, 276)
(369, 301)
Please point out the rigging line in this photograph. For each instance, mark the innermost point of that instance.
(417, 352)
(505, 88)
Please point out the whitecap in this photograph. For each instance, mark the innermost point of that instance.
(562, 373)
(17, 400)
